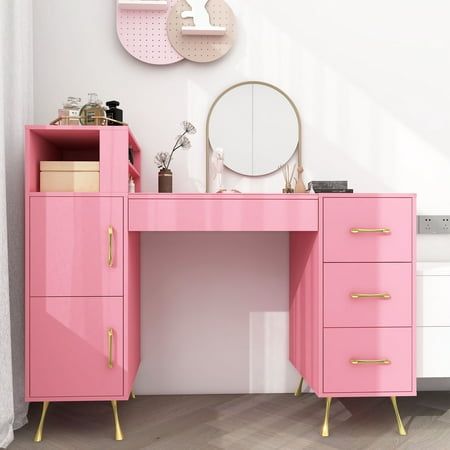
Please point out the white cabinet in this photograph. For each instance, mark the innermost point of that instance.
(433, 320)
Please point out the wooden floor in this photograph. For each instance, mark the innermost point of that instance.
(242, 422)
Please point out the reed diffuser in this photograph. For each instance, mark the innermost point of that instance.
(289, 179)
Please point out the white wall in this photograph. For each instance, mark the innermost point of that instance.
(371, 82)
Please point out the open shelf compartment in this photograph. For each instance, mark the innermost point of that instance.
(109, 146)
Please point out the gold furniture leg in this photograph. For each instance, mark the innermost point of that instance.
(298, 392)
(401, 428)
(118, 434)
(133, 395)
(40, 429)
(327, 416)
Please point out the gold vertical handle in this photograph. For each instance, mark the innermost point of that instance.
(110, 246)
(370, 230)
(110, 348)
(357, 362)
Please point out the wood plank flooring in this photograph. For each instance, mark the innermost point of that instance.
(242, 422)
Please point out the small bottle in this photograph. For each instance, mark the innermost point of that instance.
(131, 186)
(93, 112)
(114, 112)
(70, 111)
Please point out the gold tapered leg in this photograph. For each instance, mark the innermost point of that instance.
(119, 434)
(325, 432)
(40, 429)
(133, 395)
(298, 392)
(401, 428)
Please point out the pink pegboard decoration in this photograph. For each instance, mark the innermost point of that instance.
(143, 33)
(166, 31)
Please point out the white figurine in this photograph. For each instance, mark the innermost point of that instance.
(202, 21)
(218, 163)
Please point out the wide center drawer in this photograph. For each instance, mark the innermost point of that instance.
(368, 229)
(222, 213)
(368, 294)
(368, 360)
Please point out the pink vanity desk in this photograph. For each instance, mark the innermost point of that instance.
(352, 275)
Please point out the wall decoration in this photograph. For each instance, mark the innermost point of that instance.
(195, 38)
(166, 31)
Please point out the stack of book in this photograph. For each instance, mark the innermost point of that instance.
(320, 187)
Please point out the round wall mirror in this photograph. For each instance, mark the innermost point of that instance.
(257, 126)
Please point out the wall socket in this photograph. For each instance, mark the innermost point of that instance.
(433, 224)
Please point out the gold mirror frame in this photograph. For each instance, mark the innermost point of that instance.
(211, 109)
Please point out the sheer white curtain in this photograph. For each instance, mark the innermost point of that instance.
(16, 100)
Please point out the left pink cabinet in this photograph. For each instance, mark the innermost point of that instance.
(82, 299)
(76, 246)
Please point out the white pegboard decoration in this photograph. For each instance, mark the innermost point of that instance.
(143, 33)
(167, 31)
(196, 39)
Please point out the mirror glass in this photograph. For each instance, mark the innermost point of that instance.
(257, 127)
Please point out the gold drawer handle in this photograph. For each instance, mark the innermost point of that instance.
(380, 362)
(110, 348)
(370, 230)
(382, 296)
(110, 246)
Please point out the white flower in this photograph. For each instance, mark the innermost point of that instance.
(162, 159)
(188, 127)
(184, 142)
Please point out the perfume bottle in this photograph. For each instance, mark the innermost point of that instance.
(70, 111)
(113, 112)
(93, 112)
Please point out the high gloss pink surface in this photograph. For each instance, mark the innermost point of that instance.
(341, 280)
(341, 345)
(223, 212)
(69, 246)
(343, 214)
(69, 348)
(77, 296)
(305, 307)
(73, 297)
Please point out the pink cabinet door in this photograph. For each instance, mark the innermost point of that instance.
(368, 295)
(76, 246)
(76, 347)
(368, 360)
(368, 229)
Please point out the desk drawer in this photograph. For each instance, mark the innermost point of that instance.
(222, 213)
(367, 217)
(344, 345)
(367, 295)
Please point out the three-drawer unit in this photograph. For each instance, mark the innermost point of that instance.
(360, 309)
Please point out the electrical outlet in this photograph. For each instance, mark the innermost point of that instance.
(434, 224)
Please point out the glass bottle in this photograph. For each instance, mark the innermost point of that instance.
(70, 111)
(93, 112)
(114, 112)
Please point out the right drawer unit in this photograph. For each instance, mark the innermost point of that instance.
(368, 296)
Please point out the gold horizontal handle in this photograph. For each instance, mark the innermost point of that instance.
(382, 296)
(370, 230)
(110, 348)
(379, 362)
